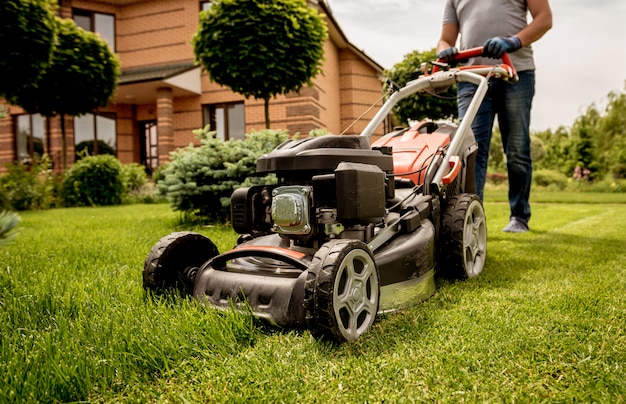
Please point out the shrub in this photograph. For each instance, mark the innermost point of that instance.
(497, 178)
(133, 177)
(93, 181)
(4, 199)
(550, 178)
(8, 223)
(606, 185)
(619, 171)
(200, 180)
(27, 187)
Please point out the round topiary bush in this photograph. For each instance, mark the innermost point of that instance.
(93, 181)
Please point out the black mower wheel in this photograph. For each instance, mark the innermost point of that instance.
(463, 237)
(342, 290)
(174, 261)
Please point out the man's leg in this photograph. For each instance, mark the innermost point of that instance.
(482, 128)
(514, 120)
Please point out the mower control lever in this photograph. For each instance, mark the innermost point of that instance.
(464, 55)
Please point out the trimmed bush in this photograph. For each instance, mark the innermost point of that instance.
(93, 181)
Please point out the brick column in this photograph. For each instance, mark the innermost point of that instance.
(165, 128)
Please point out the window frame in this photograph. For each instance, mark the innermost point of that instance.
(30, 138)
(211, 111)
(108, 115)
(91, 14)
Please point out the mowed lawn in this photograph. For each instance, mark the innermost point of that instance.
(545, 322)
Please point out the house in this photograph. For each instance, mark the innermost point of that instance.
(163, 96)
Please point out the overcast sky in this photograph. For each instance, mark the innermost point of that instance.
(579, 61)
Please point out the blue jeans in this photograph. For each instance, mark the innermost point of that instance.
(512, 104)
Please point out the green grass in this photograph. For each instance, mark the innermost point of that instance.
(545, 322)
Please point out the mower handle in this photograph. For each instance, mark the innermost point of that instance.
(472, 53)
(438, 79)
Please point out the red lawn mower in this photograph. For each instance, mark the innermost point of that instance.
(351, 229)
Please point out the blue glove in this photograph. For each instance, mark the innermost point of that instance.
(497, 46)
(448, 54)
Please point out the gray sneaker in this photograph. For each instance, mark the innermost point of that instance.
(516, 225)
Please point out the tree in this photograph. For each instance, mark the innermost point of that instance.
(582, 147)
(27, 38)
(261, 48)
(82, 77)
(420, 106)
(611, 135)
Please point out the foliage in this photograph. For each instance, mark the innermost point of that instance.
(596, 141)
(27, 187)
(87, 148)
(133, 177)
(420, 106)
(93, 181)
(550, 178)
(82, 77)
(27, 38)
(261, 48)
(8, 225)
(607, 185)
(200, 180)
(497, 161)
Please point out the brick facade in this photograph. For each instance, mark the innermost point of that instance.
(154, 36)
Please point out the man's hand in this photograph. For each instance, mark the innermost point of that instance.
(497, 46)
(448, 54)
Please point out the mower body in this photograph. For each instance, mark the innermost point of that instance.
(352, 229)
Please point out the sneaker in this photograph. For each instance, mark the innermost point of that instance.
(516, 225)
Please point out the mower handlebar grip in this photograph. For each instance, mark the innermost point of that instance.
(476, 52)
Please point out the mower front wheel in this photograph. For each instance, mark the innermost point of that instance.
(342, 290)
(463, 237)
(173, 262)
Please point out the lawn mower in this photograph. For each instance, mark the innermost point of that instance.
(351, 229)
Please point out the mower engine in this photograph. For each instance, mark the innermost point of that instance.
(329, 187)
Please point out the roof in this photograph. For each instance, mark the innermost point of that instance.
(152, 73)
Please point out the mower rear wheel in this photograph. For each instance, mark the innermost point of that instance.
(464, 237)
(342, 290)
(173, 262)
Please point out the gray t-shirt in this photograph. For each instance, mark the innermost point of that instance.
(479, 20)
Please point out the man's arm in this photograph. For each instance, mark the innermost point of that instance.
(541, 23)
(449, 34)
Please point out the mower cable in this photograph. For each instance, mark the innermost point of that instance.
(413, 193)
(389, 91)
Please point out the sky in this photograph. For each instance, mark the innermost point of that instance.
(579, 61)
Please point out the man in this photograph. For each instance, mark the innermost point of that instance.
(500, 26)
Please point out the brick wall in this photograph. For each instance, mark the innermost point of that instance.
(159, 33)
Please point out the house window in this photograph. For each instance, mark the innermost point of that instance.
(205, 5)
(103, 24)
(149, 145)
(29, 137)
(95, 133)
(228, 120)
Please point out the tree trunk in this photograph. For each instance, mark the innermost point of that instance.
(63, 143)
(267, 112)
